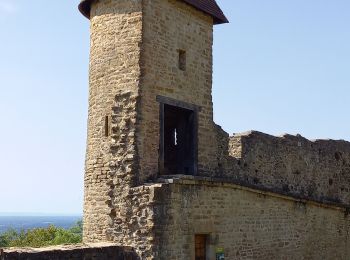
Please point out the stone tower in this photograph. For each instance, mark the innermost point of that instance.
(162, 178)
(164, 182)
(150, 102)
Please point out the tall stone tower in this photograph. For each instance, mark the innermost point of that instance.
(150, 103)
(163, 178)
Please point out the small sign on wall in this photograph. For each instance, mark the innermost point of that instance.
(220, 254)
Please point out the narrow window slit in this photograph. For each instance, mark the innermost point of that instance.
(175, 137)
(107, 124)
(182, 60)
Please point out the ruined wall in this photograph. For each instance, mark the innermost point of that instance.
(170, 26)
(247, 223)
(132, 223)
(71, 252)
(318, 170)
(134, 58)
(111, 157)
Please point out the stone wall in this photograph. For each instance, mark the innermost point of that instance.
(170, 26)
(133, 219)
(317, 170)
(247, 223)
(133, 59)
(73, 252)
(111, 157)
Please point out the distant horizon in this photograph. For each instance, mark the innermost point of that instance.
(39, 214)
(278, 67)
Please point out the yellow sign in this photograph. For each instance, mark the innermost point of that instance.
(219, 250)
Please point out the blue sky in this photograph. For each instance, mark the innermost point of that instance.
(279, 66)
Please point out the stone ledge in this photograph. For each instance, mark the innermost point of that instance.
(344, 144)
(228, 183)
(80, 251)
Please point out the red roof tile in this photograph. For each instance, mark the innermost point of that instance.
(207, 6)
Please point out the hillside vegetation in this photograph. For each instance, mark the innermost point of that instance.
(40, 237)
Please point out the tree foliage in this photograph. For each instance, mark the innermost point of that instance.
(40, 237)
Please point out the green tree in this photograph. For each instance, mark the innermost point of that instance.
(7, 237)
(77, 228)
(40, 237)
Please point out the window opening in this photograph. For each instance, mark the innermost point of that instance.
(182, 60)
(175, 137)
(106, 126)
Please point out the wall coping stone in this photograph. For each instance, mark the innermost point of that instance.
(232, 184)
(61, 251)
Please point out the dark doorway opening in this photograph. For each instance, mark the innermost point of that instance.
(178, 145)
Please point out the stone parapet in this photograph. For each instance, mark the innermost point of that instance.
(316, 170)
(100, 251)
(246, 223)
(231, 184)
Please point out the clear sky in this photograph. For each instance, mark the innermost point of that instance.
(279, 66)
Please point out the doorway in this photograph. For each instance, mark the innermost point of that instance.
(178, 140)
(201, 247)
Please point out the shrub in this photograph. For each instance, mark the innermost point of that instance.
(40, 237)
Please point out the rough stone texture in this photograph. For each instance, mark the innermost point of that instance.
(111, 161)
(132, 222)
(124, 83)
(318, 170)
(133, 59)
(170, 26)
(247, 223)
(76, 252)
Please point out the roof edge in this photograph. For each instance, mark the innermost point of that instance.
(85, 8)
(217, 15)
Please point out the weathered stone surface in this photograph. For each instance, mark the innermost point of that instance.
(102, 251)
(316, 170)
(111, 157)
(170, 26)
(134, 58)
(257, 196)
(247, 223)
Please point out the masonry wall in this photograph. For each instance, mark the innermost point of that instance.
(111, 157)
(134, 58)
(132, 223)
(170, 26)
(317, 170)
(71, 252)
(248, 224)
